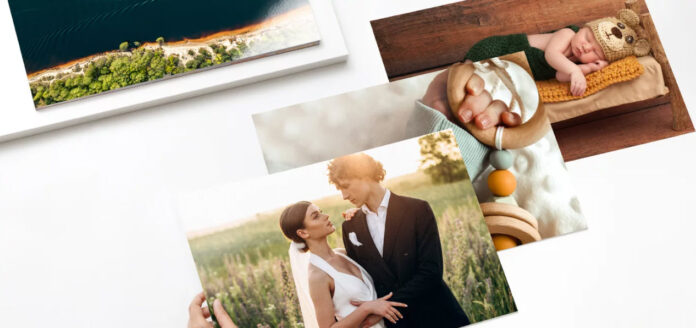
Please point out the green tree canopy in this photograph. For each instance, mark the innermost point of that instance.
(440, 158)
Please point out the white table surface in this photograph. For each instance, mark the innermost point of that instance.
(88, 235)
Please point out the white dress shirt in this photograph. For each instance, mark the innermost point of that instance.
(377, 221)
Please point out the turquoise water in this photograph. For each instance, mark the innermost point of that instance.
(54, 32)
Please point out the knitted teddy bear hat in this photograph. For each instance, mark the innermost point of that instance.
(618, 37)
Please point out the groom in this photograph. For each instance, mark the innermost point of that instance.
(395, 239)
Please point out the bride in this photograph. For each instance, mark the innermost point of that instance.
(333, 290)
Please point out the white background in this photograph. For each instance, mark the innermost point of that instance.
(88, 236)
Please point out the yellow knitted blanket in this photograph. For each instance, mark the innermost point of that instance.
(626, 69)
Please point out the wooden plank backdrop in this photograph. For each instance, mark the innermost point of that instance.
(428, 39)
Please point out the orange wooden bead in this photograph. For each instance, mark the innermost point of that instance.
(502, 242)
(502, 183)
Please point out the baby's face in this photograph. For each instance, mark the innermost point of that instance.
(585, 47)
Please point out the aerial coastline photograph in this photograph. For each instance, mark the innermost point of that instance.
(77, 48)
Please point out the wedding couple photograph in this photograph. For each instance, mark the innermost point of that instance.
(388, 237)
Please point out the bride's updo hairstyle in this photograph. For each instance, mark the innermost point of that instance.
(292, 219)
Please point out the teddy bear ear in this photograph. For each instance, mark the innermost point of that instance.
(629, 17)
(641, 48)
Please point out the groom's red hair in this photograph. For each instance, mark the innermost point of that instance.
(355, 166)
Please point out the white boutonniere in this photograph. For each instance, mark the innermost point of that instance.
(354, 239)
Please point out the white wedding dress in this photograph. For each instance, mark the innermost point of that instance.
(347, 287)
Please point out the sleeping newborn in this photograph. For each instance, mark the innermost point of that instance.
(571, 53)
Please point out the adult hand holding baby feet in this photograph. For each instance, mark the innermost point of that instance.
(478, 105)
(462, 96)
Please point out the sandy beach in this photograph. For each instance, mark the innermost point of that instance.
(249, 34)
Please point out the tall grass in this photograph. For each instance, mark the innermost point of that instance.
(247, 267)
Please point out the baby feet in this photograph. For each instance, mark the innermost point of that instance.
(478, 106)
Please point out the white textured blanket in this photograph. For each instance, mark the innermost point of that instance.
(543, 185)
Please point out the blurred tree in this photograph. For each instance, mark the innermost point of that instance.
(160, 40)
(440, 158)
(123, 46)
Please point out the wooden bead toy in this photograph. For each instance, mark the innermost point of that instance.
(502, 242)
(513, 211)
(517, 137)
(506, 200)
(500, 159)
(502, 183)
(508, 224)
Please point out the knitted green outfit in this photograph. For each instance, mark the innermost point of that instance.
(496, 46)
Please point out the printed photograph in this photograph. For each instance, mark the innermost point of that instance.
(599, 65)
(389, 237)
(505, 139)
(72, 49)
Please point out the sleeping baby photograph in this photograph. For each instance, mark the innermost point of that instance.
(599, 66)
(389, 237)
(570, 53)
